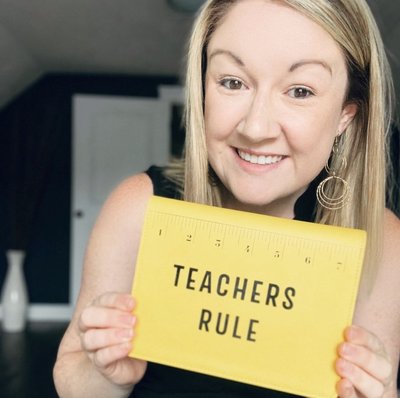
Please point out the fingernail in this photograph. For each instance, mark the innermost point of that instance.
(130, 302)
(128, 320)
(127, 346)
(347, 392)
(342, 365)
(352, 332)
(346, 349)
(126, 334)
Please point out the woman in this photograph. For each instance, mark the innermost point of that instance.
(276, 90)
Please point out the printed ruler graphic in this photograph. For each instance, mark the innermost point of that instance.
(242, 240)
(252, 298)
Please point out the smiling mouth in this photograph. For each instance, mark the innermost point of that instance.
(259, 159)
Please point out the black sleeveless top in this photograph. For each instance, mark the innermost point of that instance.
(168, 382)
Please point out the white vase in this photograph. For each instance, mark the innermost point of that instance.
(14, 297)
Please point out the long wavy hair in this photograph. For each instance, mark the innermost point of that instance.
(366, 148)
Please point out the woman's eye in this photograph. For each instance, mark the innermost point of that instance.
(300, 92)
(232, 84)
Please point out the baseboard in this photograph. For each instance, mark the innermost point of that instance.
(48, 312)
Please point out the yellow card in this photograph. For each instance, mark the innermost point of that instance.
(252, 298)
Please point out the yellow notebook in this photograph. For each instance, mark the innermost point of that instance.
(252, 298)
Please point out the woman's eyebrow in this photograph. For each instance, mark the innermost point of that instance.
(292, 68)
(311, 62)
(230, 54)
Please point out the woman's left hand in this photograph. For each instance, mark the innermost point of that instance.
(363, 365)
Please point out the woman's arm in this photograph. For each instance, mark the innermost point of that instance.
(369, 358)
(92, 360)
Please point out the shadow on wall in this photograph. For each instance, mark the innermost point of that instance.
(35, 172)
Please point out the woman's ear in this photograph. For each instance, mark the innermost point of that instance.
(348, 113)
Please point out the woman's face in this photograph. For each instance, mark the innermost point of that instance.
(274, 92)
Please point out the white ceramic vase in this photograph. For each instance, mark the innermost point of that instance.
(14, 296)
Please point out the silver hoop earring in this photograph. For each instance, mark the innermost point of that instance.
(329, 183)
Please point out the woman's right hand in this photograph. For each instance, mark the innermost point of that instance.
(106, 332)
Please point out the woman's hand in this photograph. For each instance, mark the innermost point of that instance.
(106, 332)
(363, 365)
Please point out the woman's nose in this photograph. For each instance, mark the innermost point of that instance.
(259, 121)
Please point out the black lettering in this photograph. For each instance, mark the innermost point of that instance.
(178, 271)
(254, 293)
(205, 319)
(289, 293)
(235, 328)
(220, 291)
(206, 282)
(251, 332)
(218, 328)
(240, 289)
(190, 280)
(272, 294)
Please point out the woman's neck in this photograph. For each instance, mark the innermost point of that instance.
(284, 208)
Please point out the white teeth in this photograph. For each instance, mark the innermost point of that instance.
(259, 159)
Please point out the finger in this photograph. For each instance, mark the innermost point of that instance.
(106, 356)
(362, 381)
(123, 302)
(95, 339)
(345, 389)
(97, 317)
(360, 336)
(373, 363)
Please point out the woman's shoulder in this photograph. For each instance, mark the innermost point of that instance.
(122, 215)
(128, 198)
(135, 187)
(383, 299)
(391, 242)
(391, 222)
(388, 274)
(115, 237)
(378, 307)
(388, 271)
(140, 186)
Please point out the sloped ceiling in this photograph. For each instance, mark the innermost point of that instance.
(93, 36)
(113, 36)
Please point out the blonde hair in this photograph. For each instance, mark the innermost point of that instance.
(352, 25)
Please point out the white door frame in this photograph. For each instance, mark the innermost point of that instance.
(171, 95)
